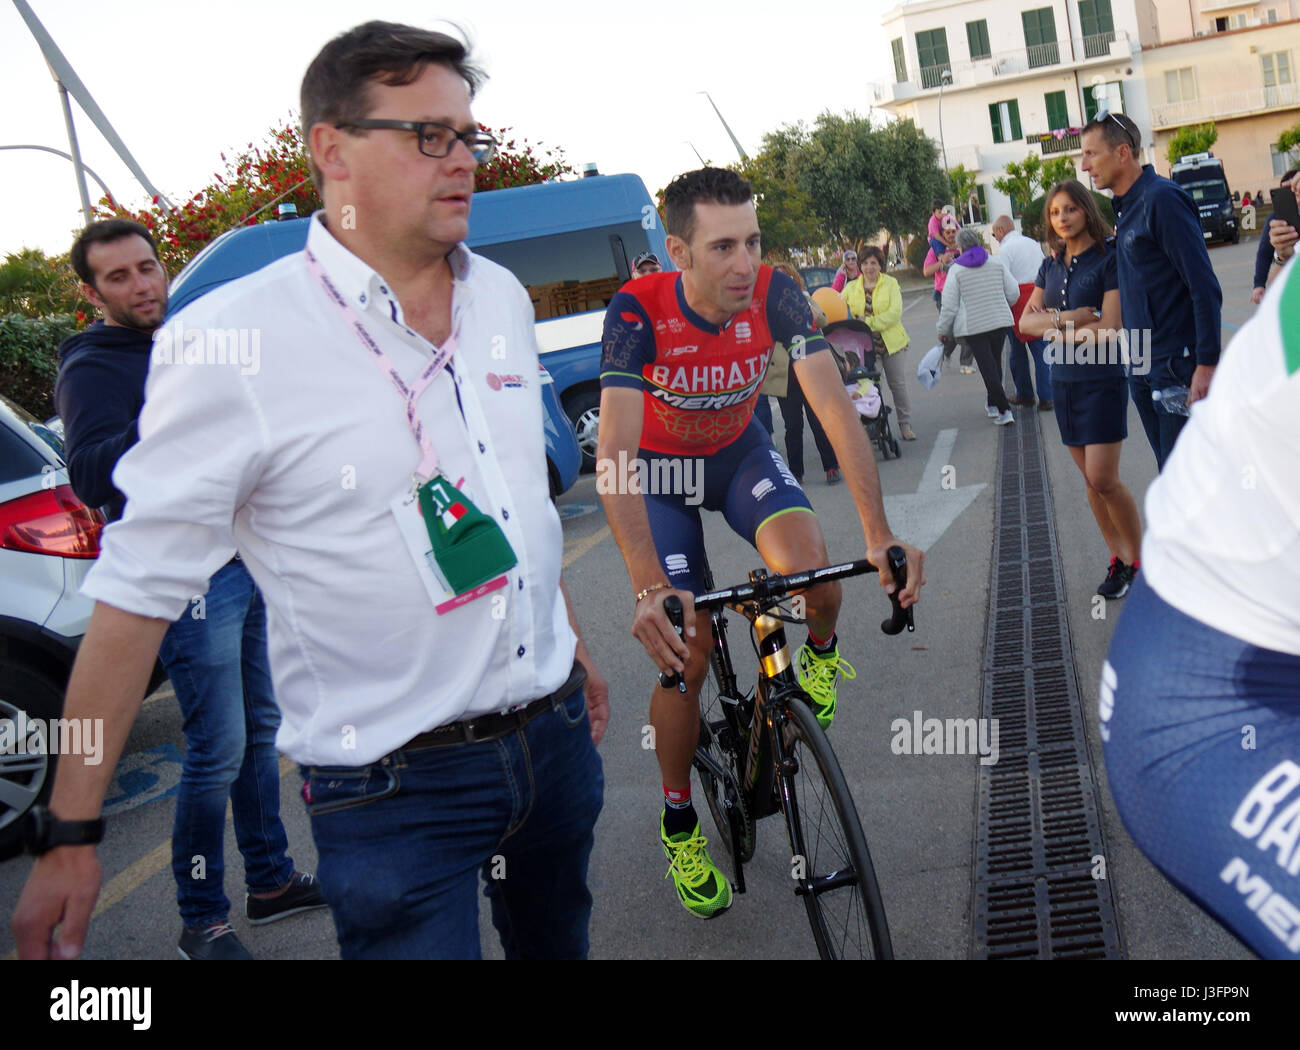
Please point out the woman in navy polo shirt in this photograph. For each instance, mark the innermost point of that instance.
(1075, 306)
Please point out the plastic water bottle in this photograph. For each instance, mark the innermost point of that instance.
(1172, 400)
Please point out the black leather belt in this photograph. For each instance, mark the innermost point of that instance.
(498, 724)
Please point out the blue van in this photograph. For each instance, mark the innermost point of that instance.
(571, 244)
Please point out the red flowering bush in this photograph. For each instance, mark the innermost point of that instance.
(517, 164)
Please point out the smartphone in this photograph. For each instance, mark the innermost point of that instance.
(1284, 207)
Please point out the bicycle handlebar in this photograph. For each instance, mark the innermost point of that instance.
(769, 590)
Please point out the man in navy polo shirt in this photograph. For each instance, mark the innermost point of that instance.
(1166, 283)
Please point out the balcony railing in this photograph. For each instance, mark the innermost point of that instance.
(1230, 104)
(1049, 143)
(967, 73)
(1044, 55)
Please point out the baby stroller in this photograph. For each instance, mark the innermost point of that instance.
(877, 426)
(854, 351)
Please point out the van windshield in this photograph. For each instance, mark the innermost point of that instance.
(1207, 190)
(571, 273)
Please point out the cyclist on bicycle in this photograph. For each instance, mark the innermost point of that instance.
(684, 356)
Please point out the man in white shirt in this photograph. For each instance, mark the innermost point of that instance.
(381, 470)
(1023, 258)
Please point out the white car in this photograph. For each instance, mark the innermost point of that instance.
(48, 542)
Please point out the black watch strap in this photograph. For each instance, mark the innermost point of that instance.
(42, 831)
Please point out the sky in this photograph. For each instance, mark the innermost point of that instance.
(617, 84)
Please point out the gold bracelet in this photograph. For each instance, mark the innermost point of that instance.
(651, 589)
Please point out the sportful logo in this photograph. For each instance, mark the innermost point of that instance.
(763, 488)
(743, 332)
(676, 564)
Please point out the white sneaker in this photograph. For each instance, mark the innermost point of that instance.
(993, 412)
(1005, 418)
(967, 370)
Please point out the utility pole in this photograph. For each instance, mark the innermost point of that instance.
(734, 141)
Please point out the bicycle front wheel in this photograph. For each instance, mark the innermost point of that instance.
(838, 882)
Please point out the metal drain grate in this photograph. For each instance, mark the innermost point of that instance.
(1038, 827)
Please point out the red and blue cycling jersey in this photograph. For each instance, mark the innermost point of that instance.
(700, 381)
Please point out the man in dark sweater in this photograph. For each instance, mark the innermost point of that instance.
(215, 653)
(1166, 284)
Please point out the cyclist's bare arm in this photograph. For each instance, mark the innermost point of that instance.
(108, 683)
(620, 432)
(825, 393)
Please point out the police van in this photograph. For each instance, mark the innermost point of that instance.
(1201, 176)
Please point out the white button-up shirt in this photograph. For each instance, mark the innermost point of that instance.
(1021, 256)
(291, 451)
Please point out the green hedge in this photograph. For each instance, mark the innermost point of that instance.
(916, 252)
(29, 359)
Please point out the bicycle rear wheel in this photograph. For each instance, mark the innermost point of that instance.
(839, 887)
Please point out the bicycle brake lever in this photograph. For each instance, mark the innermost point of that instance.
(901, 617)
(677, 617)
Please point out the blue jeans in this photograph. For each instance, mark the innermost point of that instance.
(215, 655)
(402, 842)
(1162, 429)
(1019, 367)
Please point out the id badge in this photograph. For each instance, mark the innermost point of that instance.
(457, 567)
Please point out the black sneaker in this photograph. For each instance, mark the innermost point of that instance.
(1118, 578)
(217, 941)
(303, 894)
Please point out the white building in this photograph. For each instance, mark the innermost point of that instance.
(994, 82)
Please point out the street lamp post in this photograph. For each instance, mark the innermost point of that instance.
(944, 78)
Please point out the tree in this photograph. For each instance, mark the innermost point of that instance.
(1192, 138)
(864, 180)
(962, 183)
(1058, 169)
(1289, 141)
(1021, 180)
(36, 285)
(786, 215)
(519, 164)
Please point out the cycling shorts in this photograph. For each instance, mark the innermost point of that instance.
(1202, 739)
(747, 480)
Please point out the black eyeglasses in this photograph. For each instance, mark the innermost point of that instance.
(434, 139)
(1128, 132)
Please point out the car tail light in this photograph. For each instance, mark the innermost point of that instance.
(51, 521)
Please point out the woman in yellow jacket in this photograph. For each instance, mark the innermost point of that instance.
(876, 299)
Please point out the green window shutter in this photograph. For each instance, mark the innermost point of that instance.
(977, 37)
(1056, 112)
(1014, 107)
(984, 203)
(1089, 104)
(900, 60)
(995, 121)
(932, 53)
(1040, 37)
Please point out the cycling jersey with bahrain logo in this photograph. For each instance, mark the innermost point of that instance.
(700, 380)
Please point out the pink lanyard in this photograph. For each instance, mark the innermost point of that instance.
(428, 465)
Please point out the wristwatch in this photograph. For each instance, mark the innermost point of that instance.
(42, 831)
(1278, 260)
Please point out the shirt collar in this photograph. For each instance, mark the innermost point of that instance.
(1138, 188)
(357, 280)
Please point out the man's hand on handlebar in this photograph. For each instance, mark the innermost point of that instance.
(651, 628)
(877, 554)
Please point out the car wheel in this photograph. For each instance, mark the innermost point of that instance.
(584, 412)
(25, 778)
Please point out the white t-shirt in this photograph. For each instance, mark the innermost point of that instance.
(1021, 256)
(1223, 519)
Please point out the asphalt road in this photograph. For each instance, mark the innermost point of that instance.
(918, 811)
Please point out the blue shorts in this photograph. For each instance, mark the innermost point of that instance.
(748, 481)
(1091, 412)
(1202, 740)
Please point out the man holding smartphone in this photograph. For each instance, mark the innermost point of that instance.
(1284, 227)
